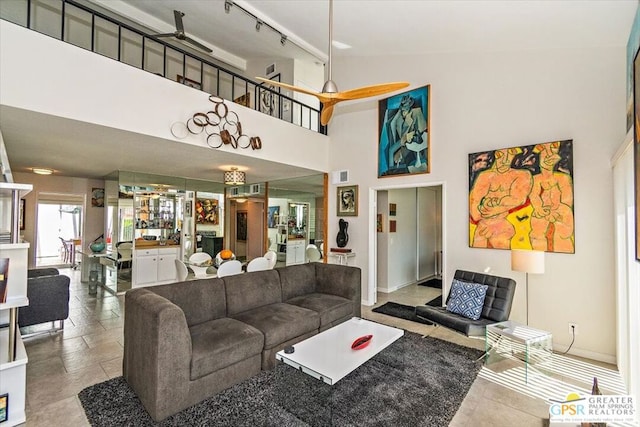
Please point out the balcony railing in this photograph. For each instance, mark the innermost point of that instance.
(84, 27)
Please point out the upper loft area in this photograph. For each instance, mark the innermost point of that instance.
(102, 31)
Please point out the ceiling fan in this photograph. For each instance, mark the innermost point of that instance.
(180, 35)
(330, 95)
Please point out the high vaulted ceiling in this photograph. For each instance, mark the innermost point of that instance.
(380, 28)
(391, 27)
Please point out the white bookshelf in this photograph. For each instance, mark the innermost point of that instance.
(13, 356)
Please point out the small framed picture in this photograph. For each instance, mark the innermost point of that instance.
(347, 201)
(188, 82)
(379, 223)
(4, 407)
(392, 209)
(392, 226)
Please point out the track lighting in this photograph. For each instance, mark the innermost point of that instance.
(258, 24)
(227, 5)
(283, 39)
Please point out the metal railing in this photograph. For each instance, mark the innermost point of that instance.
(82, 26)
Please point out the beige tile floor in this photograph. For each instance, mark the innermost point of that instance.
(90, 351)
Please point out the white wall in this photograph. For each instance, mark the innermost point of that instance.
(402, 266)
(109, 93)
(484, 101)
(382, 268)
(94, 218)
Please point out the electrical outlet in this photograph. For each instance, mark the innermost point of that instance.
(573, 329)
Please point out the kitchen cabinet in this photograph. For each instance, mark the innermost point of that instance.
(153, 266)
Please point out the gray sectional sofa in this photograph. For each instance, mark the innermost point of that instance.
(187, 341)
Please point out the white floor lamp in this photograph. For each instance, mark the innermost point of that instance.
(529, 262)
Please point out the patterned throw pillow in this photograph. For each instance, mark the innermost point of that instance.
(467, 299)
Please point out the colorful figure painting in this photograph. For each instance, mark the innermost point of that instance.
(403, 126)
(522, 198)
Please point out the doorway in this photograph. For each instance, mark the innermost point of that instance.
(59, 229)
(409, 219)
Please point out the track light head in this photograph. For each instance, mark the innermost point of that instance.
(258, 24)
(283, 39)
(227, 5)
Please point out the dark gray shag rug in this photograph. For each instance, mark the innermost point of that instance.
(415, 382)
(402, 311)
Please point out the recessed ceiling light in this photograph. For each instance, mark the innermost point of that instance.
(340, 45)
(42, 171)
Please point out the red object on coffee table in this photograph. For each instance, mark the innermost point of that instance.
(361, 342)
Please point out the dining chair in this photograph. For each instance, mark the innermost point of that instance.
(257, 264)
(272, 258)
(199, 258)
(313, 253)
(229, 268)
(125, 251)
(182, 270)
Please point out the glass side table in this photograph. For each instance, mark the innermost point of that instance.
(510, 339)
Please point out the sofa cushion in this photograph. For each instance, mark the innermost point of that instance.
(280, 322)
(329, 307)
(466, 299)
(297, 280)
(200, 300)
(219, 343)
(252, 290)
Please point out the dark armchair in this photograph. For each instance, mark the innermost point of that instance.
(48, 294)
(497, 305)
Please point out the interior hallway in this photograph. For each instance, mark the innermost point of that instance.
(90, 349)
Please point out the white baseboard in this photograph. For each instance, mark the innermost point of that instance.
(395, 288)
(601, 357)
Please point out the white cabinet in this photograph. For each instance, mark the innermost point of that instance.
(154, 266)
(167, 265)
(295, 251)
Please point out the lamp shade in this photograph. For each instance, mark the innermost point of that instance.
(234, 177)
(527, 261)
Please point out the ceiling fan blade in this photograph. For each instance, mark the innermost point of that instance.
(178, 17)
(325, 116)
(197, 44)
(290, 87)
(367, 91)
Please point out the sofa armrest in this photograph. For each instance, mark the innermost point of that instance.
(38, 272)
(157, 351)
(340, 280)
(48, 300)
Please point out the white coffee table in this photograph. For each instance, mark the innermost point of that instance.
(328, 356)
